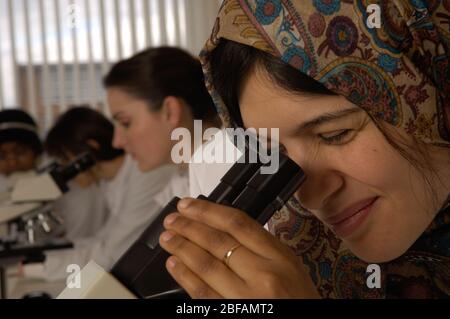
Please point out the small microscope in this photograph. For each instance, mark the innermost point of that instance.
(27, 209)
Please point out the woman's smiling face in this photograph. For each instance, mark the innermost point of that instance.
(357, 183)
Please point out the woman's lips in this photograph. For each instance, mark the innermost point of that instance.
(346, 222)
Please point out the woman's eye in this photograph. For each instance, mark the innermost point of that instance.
(283, 149)
(337, 137)
(125, 124)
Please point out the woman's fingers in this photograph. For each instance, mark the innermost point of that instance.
(241, 260)
(194, 286)
(234, 222)
(259, 266)
(214, 273)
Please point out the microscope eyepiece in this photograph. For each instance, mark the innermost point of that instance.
(264, 194)
(62, 175)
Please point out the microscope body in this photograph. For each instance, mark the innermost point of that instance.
(245, 186)
(27, 208)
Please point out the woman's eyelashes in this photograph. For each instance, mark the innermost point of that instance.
(337, 137)
(125, 124)
(282, 149)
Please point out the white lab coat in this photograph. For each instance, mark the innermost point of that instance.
(134, 199)
(207, 168)
(83, 211)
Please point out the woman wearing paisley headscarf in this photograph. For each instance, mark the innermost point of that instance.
(366, 113)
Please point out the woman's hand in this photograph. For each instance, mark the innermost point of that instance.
(202, 233)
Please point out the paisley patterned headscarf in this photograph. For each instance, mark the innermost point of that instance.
(398, 72)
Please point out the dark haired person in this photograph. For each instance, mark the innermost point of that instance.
(20, 154)
(20, 146)
(152, 94)
(366, 113)
(132, 198)
(21, 151)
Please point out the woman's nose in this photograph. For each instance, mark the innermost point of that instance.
(318, 189)
(118, 139)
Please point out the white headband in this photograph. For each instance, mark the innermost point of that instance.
(18, 125)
